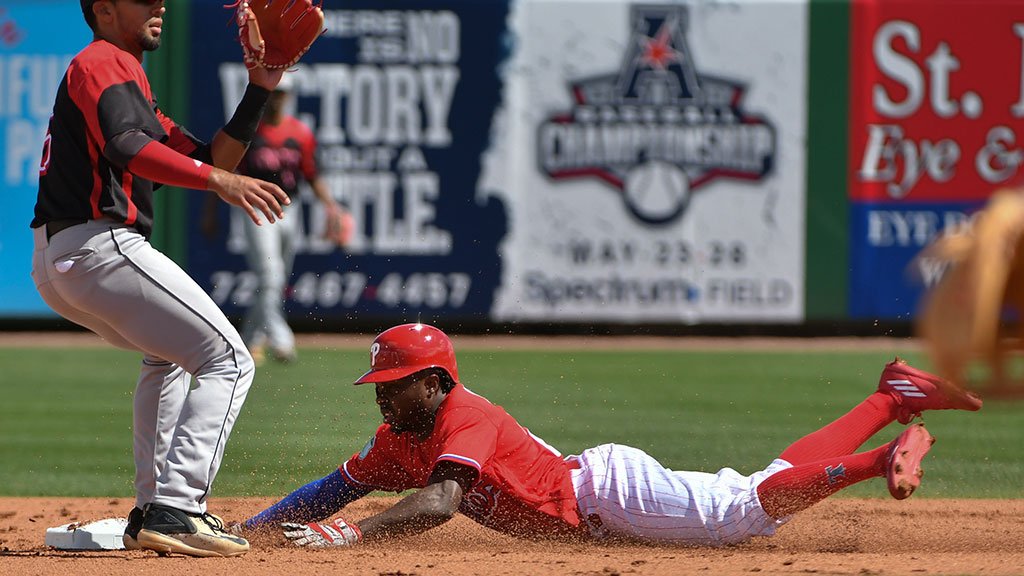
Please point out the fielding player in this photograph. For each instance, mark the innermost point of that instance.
(107, 148)
(462, 453)
(283, 152)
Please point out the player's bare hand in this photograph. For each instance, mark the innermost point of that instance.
(340, 225)
(252, 195)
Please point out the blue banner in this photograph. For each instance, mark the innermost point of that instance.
(401, 101)
(32, 62)
(887, 279)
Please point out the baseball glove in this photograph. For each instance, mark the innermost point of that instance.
(340, 226)
(962, 321)
(276, 33)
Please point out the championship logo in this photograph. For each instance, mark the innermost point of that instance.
(657, 130)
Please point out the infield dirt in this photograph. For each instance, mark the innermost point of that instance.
(838, 536)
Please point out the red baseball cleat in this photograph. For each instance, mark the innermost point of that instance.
(916, 391)
(903, 471)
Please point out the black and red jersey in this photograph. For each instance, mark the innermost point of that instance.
(104, 96)
(282, 153)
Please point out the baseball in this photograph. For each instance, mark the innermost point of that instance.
(657, 191)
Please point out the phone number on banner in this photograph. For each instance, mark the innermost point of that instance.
(346, 289)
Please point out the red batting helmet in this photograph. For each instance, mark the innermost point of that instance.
(403, 350)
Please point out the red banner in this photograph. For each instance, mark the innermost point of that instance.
(937, 98)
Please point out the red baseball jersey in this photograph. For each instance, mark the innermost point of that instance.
(104, 94)
(282, 153)
(523, 487)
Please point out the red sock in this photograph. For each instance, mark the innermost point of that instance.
(797, 488)
(846, 434)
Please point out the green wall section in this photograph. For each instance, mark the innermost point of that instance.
(168, 71)
(827, 242)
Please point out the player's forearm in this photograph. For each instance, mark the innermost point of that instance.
(322, 192)
(418, 512)
(314, 501)
(226, 151)
(231, 141)
(158, 163)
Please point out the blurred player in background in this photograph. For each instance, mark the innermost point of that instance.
(107, 148)
(283, 152)
(463, 454)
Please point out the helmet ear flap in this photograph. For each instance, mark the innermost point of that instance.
(446, 380)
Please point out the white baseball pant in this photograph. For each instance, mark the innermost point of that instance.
(622, 492)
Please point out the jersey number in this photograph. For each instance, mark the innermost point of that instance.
(44, 162)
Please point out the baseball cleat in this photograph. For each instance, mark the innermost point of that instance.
(167, 530)
(284, 355)
(916, 391)
(903, 470)
(131, 531)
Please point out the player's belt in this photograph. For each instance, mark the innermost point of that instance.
(54, 226)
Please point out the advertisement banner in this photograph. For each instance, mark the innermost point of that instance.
(653, 160)
(935, 128)
(400, 100)
(32, 63)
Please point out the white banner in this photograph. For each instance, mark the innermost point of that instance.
(652, 159)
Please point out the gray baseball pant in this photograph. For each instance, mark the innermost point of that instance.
(270, 254)
(195, 371)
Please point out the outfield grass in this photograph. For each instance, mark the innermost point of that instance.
(65, 417)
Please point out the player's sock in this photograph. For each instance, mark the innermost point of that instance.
(794, 489)
(846, 434)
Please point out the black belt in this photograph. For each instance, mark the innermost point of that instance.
(54, 226)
